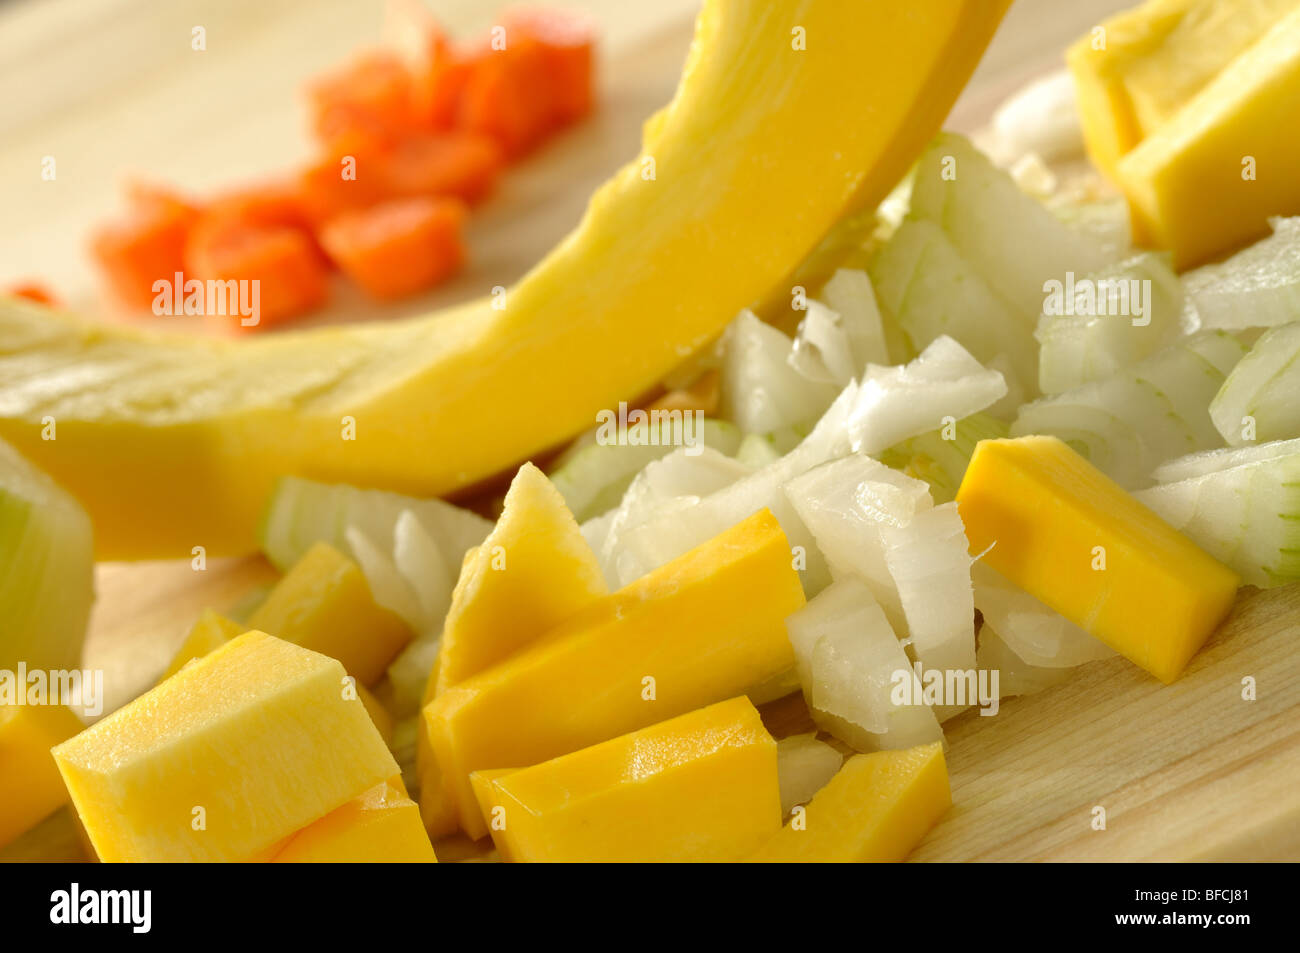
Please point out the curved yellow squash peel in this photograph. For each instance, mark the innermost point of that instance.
(787, 117)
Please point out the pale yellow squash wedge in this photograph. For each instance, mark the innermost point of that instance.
(788, 116)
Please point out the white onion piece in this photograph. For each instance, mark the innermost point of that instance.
(849, 294)
(1259, 287)
(388, 587)
(822, 350)
(1040, 118)
(1130, 422)
(1015, 675)
(1264, 387)
(1038, 635)
(761, 390)
(894, 403)
(675, 482)
(1077, 348)
(1212, 461)
(425, 569)
(803, 766)
(46, 570)
(1246, 515)
(930, 290)
(409, 672)
(1033, 175)
(930, 566)
(678, 529)
(847, 657)
(1010, 238)
(843, 504)
(304, 512)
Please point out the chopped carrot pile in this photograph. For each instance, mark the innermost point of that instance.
(410, 135)
(398, 247)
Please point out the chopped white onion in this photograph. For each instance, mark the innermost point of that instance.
(1037, 634)
(803, 766)
(848, 660)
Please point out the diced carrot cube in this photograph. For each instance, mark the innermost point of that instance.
(32, 291)
(347, 179)
(278, 202)
(292, 279)
(146, 246)
(461, 164)
(375, 93)
(400, 247)
(445, 84)
(567, 39)
(509, 96)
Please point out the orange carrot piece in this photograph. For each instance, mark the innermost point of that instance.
(374, 93)
(32, 291)
(278, 202)
(567, 39)
(351, 177)
(146, 246)
(509, 96)
(459, 164)
(400, 247)
(292, 279)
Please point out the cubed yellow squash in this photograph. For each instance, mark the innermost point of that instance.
(534, 570)
(211, 631)
(1057, 527)
(699, 787)
(214, 630)
(1206, 181)
(30, 786)
(875, 809)
(324, 604)
(707, 626)
(1136, 70)
(172, 442)
(381, 826)
(227, 758)
(437, 801)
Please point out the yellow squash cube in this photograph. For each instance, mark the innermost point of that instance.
(225, 759)
(876, 808)
(324, 604)
(1057, 527)
(381, 826)
(533, 571)
(699, 787)
(210, 632)
(707, 626)
(214, 630)
(1207, 181)
(30, 786)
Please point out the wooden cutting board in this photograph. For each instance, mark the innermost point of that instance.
(1187, 771)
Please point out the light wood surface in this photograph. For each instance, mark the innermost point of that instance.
(111, 87)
